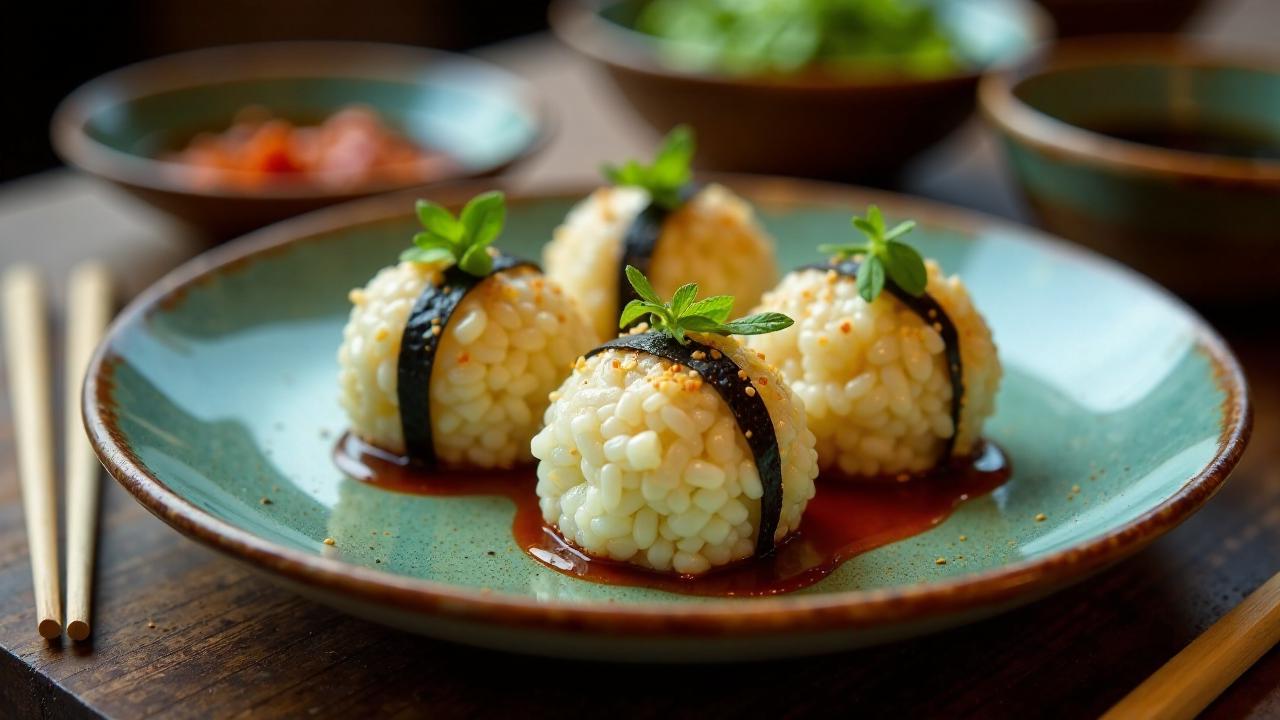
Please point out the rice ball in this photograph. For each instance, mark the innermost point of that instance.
(504, 348)
(874, 377)
(642, 463)
(713, 240)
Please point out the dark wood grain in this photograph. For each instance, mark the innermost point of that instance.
(183, 632)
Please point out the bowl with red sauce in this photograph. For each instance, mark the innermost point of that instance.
(213, 401)
(233, 138)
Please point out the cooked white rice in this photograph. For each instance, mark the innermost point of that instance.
(505, 348)
(713, 240)
(642, 463)
(874, 377)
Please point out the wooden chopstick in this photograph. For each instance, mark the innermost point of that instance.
(1194, 677)
(27, 357)
(89, 305)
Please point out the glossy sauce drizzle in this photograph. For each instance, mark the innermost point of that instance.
(844, 519)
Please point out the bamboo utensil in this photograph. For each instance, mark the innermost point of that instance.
(26, 346)
(1194, 677)
(88, 311)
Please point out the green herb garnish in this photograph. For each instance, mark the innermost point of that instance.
(462, 240)
(687, 314)
(790, 36)
(668, 173)
(884, 253)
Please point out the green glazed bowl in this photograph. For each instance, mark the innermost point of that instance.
(483, 117)
(1202, 224)
(806, 124)
(217, 388)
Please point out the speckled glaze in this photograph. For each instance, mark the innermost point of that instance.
(1157, 209)
(115, 125)
(215, 389)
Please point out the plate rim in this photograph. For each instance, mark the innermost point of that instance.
(848, 609)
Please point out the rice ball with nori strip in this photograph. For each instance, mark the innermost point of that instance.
(676, 451)
(897, 369)
(655, 218)
(449, 355)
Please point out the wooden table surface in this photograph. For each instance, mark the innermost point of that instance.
(183, 632)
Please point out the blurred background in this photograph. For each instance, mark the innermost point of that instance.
(92, 38)
(71, 43)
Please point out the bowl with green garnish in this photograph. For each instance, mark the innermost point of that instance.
(821, 88)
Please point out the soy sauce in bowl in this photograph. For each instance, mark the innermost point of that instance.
(1237, 142)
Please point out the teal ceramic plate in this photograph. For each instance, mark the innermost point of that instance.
(216, 389)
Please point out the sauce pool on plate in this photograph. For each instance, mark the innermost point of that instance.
(845, 519)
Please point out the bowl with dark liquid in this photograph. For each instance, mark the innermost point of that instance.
(216, 137)
(1163, 153)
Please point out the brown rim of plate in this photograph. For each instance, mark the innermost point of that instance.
(581, 28)
(1002, 108)
(788, 613)
(262, 61)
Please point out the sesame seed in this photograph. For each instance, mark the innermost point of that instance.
(940, 561)
(747, 434)
(742, 374)
(963, 538)
(435, 329)
(1041, 517)
(265, 501)
(699, 355)
(751, 392)
(330, 541)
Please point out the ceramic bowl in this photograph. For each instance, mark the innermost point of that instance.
(1199, 223)
(807, 125)
(1094, 17)
(217, 388)
(115, 126)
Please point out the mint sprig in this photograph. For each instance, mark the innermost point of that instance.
(463, 240)
(884, 255)
(687, 314)
(668, 173)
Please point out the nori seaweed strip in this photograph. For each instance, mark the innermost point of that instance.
(418, 353)
(641, 239)
(933, 315)
(748, 410)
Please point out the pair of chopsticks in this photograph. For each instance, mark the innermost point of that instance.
(89, 305)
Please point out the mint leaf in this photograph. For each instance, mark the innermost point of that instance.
(871, 278)
(476, 261)
(427, 255)
(715, 308)
(900, 229)
(664, 178)
(635, 310)
(642, 286)
(684, 295)
(758, 324)
(438, 220)
(686, 314)
(843, 251)
(701, 323)
(483, 218)
(428, 239)
(906, 267)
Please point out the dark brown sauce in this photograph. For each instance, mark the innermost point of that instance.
(844, 519)
(1238, 143)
